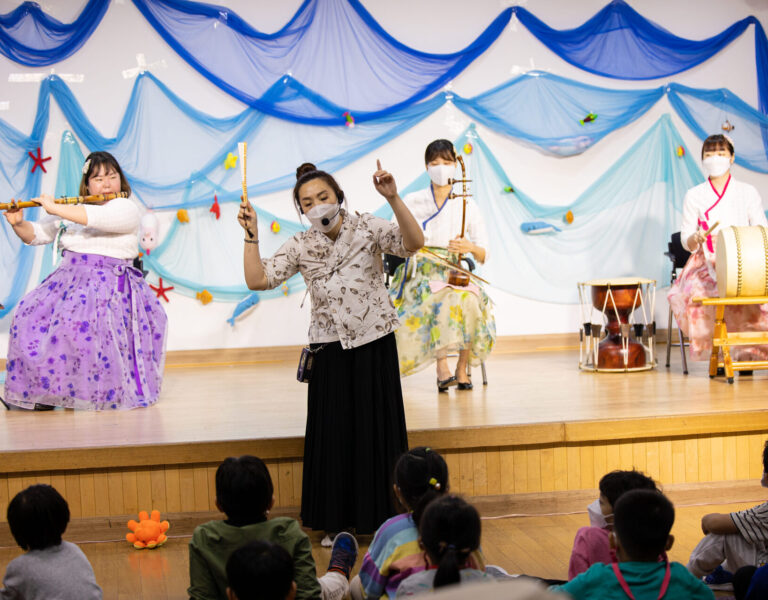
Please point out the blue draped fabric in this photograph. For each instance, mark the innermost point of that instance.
(33, 38)
(183, 150)
(181, 163)
(618, 42)
(704, 112)
(546, 110)
(366, 71)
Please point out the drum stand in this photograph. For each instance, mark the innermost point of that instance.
(723, 340)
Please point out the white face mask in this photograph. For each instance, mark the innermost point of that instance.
(324, 216)
(440, 174)
(714, 166)
(596, 516)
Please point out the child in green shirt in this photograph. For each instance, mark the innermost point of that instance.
(245, 494)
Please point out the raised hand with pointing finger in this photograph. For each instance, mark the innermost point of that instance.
(384, 182)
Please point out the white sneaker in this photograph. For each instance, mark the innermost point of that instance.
(327, 542)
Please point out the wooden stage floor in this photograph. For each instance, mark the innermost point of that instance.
(534, 392)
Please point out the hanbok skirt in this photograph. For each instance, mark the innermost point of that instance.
(436, 318)
(90, 336)
(697, 322)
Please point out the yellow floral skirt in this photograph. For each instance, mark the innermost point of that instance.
(434, 323)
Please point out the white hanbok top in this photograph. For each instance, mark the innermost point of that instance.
(739, 205)
(112, 230)
(442, 225)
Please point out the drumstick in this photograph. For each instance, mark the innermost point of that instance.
(711, 229)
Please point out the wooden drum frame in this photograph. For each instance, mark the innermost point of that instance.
(617, 342)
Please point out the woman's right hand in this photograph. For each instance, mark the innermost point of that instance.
(247, 218)
(14, 216)
(698, 238)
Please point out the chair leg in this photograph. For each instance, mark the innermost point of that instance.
(485, 376)
(682, 350)
(669, 335)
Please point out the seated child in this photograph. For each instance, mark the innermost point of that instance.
(642, 520)
(737, 539)
(50, 568)
(260, 571)
(421, 475)
(244, 493)
(591, 544)
(449, 532)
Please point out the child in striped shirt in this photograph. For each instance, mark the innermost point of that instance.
(421, 475)
(732, 541)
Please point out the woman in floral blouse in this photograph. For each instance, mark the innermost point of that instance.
(355, 419)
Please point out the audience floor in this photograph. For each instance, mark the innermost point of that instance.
(537, 545)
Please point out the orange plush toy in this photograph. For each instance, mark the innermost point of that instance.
(149, 532)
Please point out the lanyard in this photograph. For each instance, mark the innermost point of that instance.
(703, 224)
(625, 586)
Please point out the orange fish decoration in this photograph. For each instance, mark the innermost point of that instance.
(205, 297)
(182, 215)
(216, 208)
(568, 218)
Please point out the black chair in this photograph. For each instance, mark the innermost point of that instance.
(678, 255)
(391, 262)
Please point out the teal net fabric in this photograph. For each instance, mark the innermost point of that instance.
(551, 112)
(68, 178)
(621, 227)
(17, 181)
(706, 111)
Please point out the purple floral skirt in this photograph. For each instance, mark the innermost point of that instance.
(90, 336)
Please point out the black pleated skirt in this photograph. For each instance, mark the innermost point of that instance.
(355, 434)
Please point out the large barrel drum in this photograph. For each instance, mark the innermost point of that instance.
(741, 261)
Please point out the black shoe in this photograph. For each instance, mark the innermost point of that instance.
(746, 373)
(41, 407)
(444, 384)
(720, 371)
(463, 385)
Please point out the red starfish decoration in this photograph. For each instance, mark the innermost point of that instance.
(216, 209)
(160, 290)
(39, 160)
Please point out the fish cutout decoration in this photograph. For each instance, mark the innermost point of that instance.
(243, 305)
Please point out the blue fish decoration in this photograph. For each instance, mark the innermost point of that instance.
(248, 302)
(538, 227)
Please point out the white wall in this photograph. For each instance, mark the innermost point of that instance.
(431, 26)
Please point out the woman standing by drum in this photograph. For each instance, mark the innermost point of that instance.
(355, 419)
(724, 200)
(439, 317)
